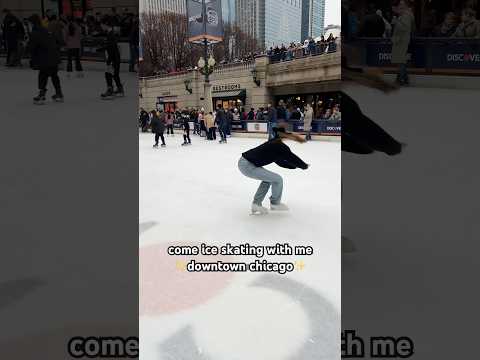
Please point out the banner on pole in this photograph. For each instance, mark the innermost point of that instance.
(205, 21)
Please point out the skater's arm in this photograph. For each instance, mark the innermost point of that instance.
(294, 160)
(285, 164)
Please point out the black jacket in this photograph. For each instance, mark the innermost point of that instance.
(12, 28)
(158, 124)
(43, 49)
(110, 46)
(186, 122)
(221, 118)
(274, 151)
(360, 135)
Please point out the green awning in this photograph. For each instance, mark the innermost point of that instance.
(234, 94)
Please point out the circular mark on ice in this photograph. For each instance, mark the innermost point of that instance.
(164, 288)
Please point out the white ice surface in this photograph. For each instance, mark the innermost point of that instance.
(197, 194)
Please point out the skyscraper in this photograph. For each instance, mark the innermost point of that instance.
(271, 22)
(156, 6)
(228, 11)
(313, 18)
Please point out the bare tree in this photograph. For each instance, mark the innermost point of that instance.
(166, 47)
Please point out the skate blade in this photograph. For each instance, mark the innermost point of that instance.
(39, 102)
(59, 101)
(258, 213)
(107, 98)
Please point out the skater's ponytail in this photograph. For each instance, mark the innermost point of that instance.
(291, 136)
(280, 133)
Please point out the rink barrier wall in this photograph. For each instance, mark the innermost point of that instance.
(320, 127)
(430, 55)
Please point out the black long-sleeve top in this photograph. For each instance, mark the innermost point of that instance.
(274, 151)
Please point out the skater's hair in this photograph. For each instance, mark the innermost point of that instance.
(291, 136)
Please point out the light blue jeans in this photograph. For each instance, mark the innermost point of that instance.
(267, 177)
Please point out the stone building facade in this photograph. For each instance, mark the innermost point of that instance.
(247, 85)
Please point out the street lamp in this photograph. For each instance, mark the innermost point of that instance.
(254, 75)
(206, 67)
(188, 85)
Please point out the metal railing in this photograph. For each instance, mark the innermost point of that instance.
(303, 52)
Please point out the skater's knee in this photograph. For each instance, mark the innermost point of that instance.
(277, 179)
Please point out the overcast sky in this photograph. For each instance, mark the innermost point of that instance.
(333, 12)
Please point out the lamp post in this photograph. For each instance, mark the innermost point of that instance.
(206, 68)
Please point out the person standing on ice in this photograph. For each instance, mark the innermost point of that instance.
(158, 127)
(170, 119)
(112, 52)
(252, 163)
(186, 128)
(45, 57)
(271, 120)
(221, 120)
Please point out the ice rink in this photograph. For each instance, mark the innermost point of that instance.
(196, 194)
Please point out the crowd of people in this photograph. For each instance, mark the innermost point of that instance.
(382, 22)
(69, 32)
(206, 124)
(310, 47)
(45, 39)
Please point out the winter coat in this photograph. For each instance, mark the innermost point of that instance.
(229, 118)
(110, 46)
(170, 119)
(281, 113)
(307, 121)
(158, 124)
(73, 41)
(13, 29)
(251, 115)
(401, 36)
(468, 30)
(221, 118)
(43, 49)
(272, 115)
(209, 121)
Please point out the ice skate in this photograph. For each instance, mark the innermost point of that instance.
(40, 98)
(258, 210)
(58, 98)
(80, 74)
(163, 145)
(108, 95)
(279, 207)
(119, 92)
(155, 146)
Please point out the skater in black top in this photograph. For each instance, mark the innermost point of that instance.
(158, 127)
(273, 151)
(45, 56)
(221, 121)
(110, 47)
(360, 134)
(186, 129)
(144, 120)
